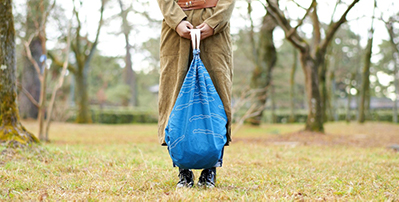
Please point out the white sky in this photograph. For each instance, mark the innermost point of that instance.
(113, 45)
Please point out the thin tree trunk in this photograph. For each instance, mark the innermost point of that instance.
(292, 86)
(58, 85)
(42, 105)
(11, 129)
(84, 55)
(365, 88)
(129, 74)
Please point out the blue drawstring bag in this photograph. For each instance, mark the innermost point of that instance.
(196, 129)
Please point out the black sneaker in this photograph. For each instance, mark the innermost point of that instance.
(186, 177)
(207, 178)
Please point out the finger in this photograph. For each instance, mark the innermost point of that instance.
(189, 25)
(201, 26)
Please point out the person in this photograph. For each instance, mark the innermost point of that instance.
(176, 55)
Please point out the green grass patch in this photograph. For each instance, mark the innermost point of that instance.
(273, 162)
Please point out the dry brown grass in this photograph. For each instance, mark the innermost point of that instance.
(273, 162)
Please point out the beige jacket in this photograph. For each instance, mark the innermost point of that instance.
(176, 55)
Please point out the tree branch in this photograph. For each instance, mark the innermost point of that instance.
(58, 62)
(251, 34)
(335, 9)
(33, 61)
(297, 4)
(316, 28)
(28, 95)
(281, 20)
(60, 81)
(100, 23)
(334, 27)
(76, 48)
(303, 18)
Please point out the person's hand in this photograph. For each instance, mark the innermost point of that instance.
(183, 29)
(206, 30)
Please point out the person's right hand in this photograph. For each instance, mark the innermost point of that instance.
(183, 29)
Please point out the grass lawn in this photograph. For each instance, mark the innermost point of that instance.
(274, 162)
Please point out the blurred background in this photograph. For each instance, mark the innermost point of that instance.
(112, 70)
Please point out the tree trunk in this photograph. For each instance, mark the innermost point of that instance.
(11, 129)
(262, 75)
(365, 88)
(129, 74)
(364, 106)
(82, 96)
(42, 106)
(292, 86)
(84, 55)
(323, 90)
(315, 115)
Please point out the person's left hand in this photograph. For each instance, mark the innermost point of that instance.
(206, 30)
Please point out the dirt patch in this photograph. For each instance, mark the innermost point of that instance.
(312, 138)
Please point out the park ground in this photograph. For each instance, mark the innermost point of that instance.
(350, 162)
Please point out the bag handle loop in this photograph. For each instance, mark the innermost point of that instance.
(195, 38)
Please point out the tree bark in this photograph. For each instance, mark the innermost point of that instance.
(314, 121)
(11, 129)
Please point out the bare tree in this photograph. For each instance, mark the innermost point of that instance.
(30, 78)
(83, 50)
(11, 128)
(40, 66)
(129, 75)
(312, 56)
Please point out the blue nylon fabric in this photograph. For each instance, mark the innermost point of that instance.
(196, 130)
